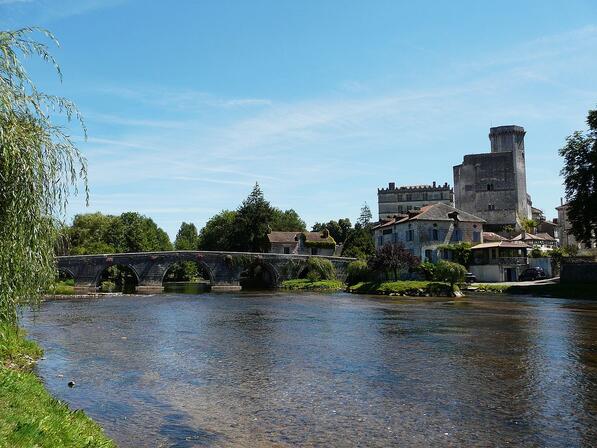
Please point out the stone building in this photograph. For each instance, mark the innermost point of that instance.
(424, 231)
(492, 185)
(302, 243)
(567, 239)
(398, 201)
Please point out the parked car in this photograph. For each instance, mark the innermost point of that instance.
(470, 278)
(532, 274)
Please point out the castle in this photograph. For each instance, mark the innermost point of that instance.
(493, 185)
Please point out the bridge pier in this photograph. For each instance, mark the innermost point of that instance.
(229, 287)
(149, 289)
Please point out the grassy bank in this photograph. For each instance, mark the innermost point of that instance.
(29, 416)
(559, 290)
(62, 288)
(404, 288)
(308, 285)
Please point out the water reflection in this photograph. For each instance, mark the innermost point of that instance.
(302, 370)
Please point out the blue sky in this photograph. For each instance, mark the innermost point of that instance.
(189, 103)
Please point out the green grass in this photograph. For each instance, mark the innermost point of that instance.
(29, 416)
(320, 285)
(407, 288)
(62, 288)
(488, 287)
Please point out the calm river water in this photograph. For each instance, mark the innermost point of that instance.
(280, 369)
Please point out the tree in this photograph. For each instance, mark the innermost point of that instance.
(218, 232)
(449, 272)
(252, 223)
(580, 180)
(394, 258)
(40, 167)
(528, 225)
(365, 216)
(287, 221)
(359, 244)
(187, 237)
(338, 229)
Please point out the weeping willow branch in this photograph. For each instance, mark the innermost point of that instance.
(40, 167)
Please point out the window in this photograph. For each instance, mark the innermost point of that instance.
(314, 250)
(410, 235)
(476, 237)
(409, 197)
(435, 235)
(428, 255)
(489, 187)
(287, 250)
(387, 231)
(490, 207)
(457, 235)
(380, 241)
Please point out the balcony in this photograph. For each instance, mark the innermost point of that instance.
(509, 261)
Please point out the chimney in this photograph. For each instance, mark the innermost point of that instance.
(561, 201)
(433, 184)
(392, 185)
(325, 233)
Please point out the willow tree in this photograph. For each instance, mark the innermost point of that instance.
(40, 167)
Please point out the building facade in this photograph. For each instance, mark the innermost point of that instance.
(423, 231)
(499, 261)
(393, 201)
(492, 186)
(567, 239)
(302, 243)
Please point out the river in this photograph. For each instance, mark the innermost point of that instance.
(285, 369)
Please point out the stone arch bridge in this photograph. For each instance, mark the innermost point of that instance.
(223, 270)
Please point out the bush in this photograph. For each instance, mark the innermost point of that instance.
(449, 272)
(358, 271)
(536, 253)
(427, 269)
(320, 269)
(107, 286)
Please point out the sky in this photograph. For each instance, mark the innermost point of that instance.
(189, 103)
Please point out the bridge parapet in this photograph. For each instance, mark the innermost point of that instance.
(223, 269)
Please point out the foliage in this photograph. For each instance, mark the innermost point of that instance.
(528, 225)
(318, 285)
(358, 271)
(29, 416)
(286, 221)
(359, 244)
(108, 286)
(320, 269)
(461, 252)
(252, 223)
(536, 253)
(427, 269)
(62, 288)
(339, 230)
(184, 271)
(404, 288)
(187, 237)
(449, 272)
(217, 232)
(365, 217)
(39, 167)
(580, 180)
(394, 258)
(95, 233)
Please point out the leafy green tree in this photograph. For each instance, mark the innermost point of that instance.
(338, 229)
(528, 225)
(39, 168)
(394, 258)
(462, 253)
(359, 244)
(91, 233)
(287, 221)
(580, 180)
(252, 223)
(449, 272)
(218, 232)
(358, 271)
(187, 237)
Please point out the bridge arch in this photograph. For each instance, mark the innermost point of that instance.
(260, 274)
(202, 265)
(126, 271)
(62, 272)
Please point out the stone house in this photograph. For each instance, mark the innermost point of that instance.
(423, 231)
(302, 243)
(395, 201)
(567, 239)
(541, 241)
(499, 261)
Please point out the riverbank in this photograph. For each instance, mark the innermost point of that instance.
(29, 415)
(308, 285)
(585, 291)
(414, 288)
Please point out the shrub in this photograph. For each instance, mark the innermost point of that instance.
(461, 252)
(449, 272)
(358, 271)
(320, 269)
(427, 269)
(394, 258)
(536, 253)
(108, 286)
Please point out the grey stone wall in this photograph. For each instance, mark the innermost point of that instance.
(582, 272)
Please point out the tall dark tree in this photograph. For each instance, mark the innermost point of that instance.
(187, 237)
(252, 223)
(365, 217)
(218, 232)
(393, 258)
(580, 180)
(359, 244)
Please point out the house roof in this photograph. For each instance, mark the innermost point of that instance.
(293, 237)
(441, 212)
(505, 244)
(491, 236)
(531, 237)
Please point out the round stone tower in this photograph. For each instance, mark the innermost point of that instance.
(507, 138)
